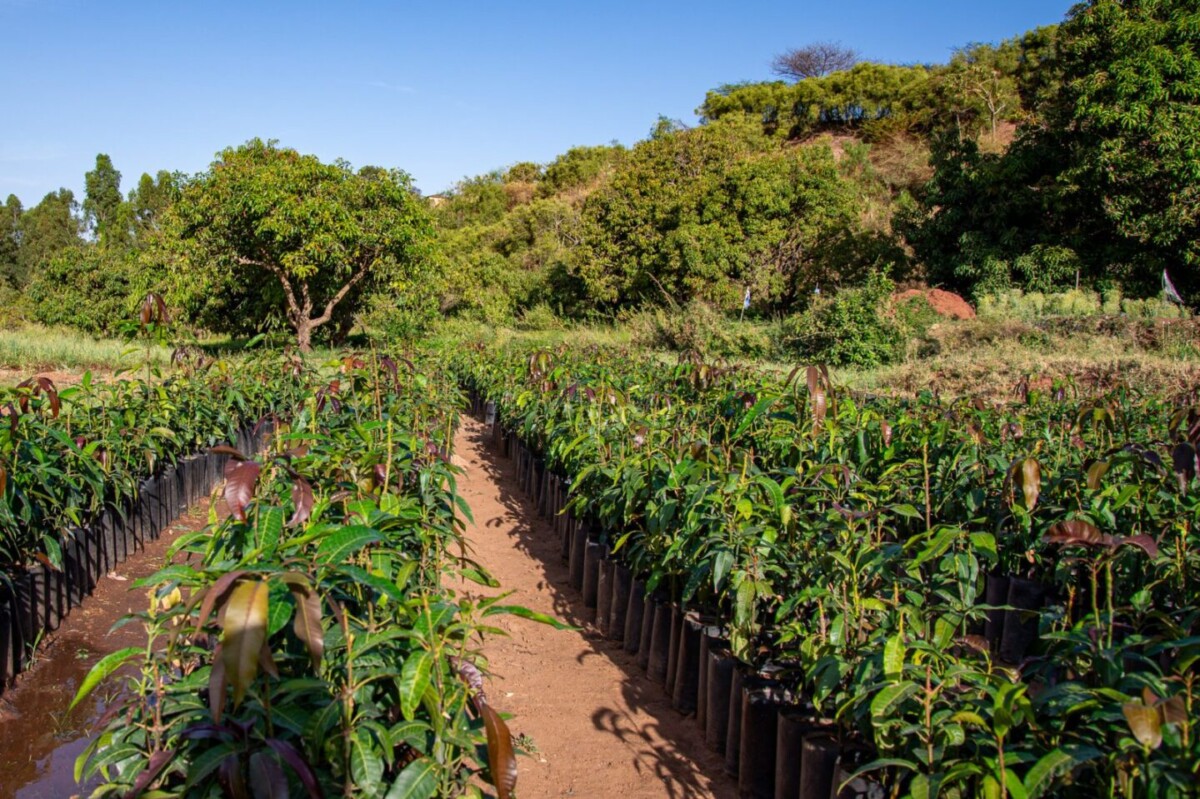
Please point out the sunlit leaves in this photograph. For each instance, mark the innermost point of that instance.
(244, 631)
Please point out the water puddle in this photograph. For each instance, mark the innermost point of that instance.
(39, 738)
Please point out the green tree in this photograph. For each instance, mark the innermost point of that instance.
(47, 229)
(150, 199)
(10, 240)
(103, 206)
(91, 288)
(268, 230)
(702, 213)
(1129, 112)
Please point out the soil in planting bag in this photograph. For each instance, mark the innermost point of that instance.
(28, 591)
(995, 593)
(564, 538)
(578, 545)
(673, 649)
(818, 766)
(604, 596)
(634, 612)
(649, 609)
(1021, 624)
(93, 539)
(686, 692)
(8, 621)
(489, 415)
(795, 722)
(73, 565)
(592, 553)
(710, 637)
(660, 643)
(718, 683)
(54, 598)
(106, 543)
(618, 609)
(761, 699)
(733, 729)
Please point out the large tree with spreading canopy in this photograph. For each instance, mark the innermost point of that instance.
(269, 234)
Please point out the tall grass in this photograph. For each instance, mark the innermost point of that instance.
(38, 348)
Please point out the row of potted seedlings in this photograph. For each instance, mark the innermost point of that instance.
(942, 597)
(772, 747)
(117, 491)
(312, 642)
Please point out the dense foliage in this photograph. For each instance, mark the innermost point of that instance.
(875, 550)
(69, 455)
(1100, 184)
(305, 644)
(268, 233)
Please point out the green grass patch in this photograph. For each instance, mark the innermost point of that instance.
(38, 348)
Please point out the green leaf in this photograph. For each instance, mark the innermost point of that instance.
(270, 530)
(417, 781)
(414, 679)
(103, 668)
(526, 613)
(1041, 777)
(886, 700)
(722, 563)
(366, 766)
(337, 548)
(893, 656)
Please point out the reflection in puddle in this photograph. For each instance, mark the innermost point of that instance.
(39, 739)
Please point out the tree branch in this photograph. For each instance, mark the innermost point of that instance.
(293, 306)
(341, 295)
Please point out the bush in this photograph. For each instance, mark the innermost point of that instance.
(698, 327)
(15, 309)
(1034, 305)
(88, 288)
(539, 317)
(855, 327)
(390, 319)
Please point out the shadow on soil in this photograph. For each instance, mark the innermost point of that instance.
(675, 766)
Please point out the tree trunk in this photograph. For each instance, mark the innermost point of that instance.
(304, 334)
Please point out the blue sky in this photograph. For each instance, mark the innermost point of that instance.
(442, 90)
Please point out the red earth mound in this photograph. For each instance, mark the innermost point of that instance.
(945, 303)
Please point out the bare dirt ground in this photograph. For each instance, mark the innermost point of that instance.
(39, 738)
(599, 726)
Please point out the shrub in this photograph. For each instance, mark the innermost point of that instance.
(1034, 305)
(539, 317)
(88, 288)
(855, 327)
(698, 327)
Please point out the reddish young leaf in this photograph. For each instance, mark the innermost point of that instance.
(1076, 531)
(293, 758)
(267, 779)
(1142, 542)
(502, 760)
(229, 774)
(225, 449)
(302, 501)
(217, 685)
(158, 761)
(239, 486)
(244, 632)
(216, 593)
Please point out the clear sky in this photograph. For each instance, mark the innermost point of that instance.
(441, 89)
